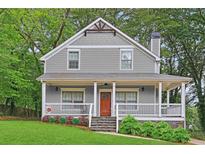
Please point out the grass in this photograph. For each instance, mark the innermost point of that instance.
(35, 133)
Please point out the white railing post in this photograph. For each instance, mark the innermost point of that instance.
(167, 98)
(113, 98)
(95, 99)
(43, 99)
(117, 118)
(183, 99)
(160, 99)
(90, 115)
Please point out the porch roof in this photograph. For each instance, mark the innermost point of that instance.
(111, 77)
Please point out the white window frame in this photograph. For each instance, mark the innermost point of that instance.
(129, 90)
(73, 90)
(73, 50)
(122, 50)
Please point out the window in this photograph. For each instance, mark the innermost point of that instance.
(126, 97)
(72, 97)
(126, 59)
(73, 59)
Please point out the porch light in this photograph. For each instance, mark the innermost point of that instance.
(105, 84)
(56, 88)
(142, 88)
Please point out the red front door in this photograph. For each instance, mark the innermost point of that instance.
(105, 104)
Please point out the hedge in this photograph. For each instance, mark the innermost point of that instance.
(160, 130)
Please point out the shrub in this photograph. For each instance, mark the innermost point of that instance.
(52, 119)
(75, 121)
(160, 130)
(63, 120)
(127, 125)
(69, 119)
(148, 128)
(181, 135)
(1, 114)
(137, 129)
(57, 119)
(45, 118)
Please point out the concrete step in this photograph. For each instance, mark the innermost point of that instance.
(104, 129)
(103, 121)
(102, 124)
(94, 126)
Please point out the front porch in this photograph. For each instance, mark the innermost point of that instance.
(148, 104)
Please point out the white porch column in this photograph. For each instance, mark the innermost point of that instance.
(113, 98)
(167, 98)
(95, 99)
(43, 99)
(183, 93)
(160, 99)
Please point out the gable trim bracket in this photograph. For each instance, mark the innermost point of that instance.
(84, 30)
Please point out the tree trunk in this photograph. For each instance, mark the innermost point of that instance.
(12, 107)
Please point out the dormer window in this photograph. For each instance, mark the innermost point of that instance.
(126, 59)
(73, 59)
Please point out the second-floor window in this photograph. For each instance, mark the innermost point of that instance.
(73, 59)
(126, 59)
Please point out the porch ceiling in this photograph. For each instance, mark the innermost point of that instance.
(169, 81)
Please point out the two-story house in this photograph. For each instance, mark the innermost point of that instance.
(101, 72)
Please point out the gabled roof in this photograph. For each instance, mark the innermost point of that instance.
(70, 40)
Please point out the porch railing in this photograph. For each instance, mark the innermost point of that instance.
(147, 110)
(84, 109)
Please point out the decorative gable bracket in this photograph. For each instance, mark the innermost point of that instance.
(100, 27)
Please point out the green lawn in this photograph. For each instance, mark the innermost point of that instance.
(35, 132)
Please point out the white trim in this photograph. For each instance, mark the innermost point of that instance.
(43, 99)
(44, 67)
(155, 98)
(73, 50)
(79, 34)
(168, 98)
(160, 99)
(113, 99)
(74, 90)
(90, 116)
(121, 50)
(100, 46)
(95, 99)
(183, 93)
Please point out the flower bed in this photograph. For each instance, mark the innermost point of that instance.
(160, 130)
(69, 120)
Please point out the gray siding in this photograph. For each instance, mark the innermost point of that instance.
(100, 61)
(53, 96)
(101, 39)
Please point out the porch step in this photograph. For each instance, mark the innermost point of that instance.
(103, 124)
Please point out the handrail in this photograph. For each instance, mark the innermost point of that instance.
(117, 118)
(90, 115)
(67, 103)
